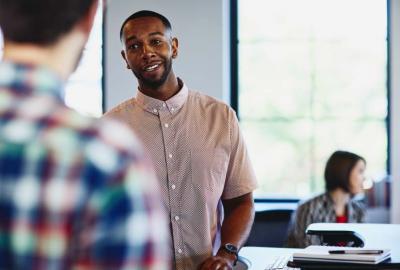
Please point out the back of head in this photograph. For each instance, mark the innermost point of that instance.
(40, 22)
(338, 168)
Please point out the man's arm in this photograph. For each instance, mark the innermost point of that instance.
(239, 217)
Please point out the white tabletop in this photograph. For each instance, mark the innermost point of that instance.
(375, 235)
(261, 257)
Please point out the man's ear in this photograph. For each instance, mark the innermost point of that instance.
(124, 57)
(175, 45)
(86, 23)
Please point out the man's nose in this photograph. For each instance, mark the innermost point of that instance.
(148, 51)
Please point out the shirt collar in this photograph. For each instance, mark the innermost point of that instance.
(30, 79)
(171, 105)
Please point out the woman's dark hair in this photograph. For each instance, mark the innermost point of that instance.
(40, 22)
(146, 13)
(338, 169)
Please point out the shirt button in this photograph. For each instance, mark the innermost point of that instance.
(173, 186)
(164, 105)
(170, 155)
(155, 110)
(166, 125)
(176, 218)
(172, 109)
(179, 250)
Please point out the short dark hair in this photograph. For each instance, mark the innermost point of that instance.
(40, 22)
(146, 13)
(338, 169)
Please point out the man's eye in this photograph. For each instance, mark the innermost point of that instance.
(133, 46)
(156, 42)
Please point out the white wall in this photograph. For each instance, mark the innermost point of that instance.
(199, 26)
(395, 109)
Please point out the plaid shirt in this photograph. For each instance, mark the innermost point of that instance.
(75, 193)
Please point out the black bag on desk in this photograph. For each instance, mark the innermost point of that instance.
(338, 238)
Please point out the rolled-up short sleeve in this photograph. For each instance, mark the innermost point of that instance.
(240, 177)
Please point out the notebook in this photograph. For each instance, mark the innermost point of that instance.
(321, 254)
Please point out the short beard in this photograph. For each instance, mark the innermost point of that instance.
(154, 84)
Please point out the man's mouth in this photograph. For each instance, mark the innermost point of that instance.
(151, 67)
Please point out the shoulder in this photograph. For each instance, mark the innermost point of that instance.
(357, 206)
(211, 105)
(207, 101)
(122, 107)
(312, 203)
(104, 143)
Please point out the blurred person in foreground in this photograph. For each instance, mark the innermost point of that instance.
(344, 177)
(75, 192)
(195, 143)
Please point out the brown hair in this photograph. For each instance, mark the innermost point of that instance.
(338, 169)
(40, 22)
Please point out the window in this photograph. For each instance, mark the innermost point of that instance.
(312, 79)
(83, 91)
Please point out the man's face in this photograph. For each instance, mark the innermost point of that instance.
(148, 50)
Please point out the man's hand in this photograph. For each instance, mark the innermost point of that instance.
(221, 261)
(239, 216)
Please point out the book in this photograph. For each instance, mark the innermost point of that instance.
(341, 255)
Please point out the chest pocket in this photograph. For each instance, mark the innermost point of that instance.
(209, 167)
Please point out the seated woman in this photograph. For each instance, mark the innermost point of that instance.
(344, 176)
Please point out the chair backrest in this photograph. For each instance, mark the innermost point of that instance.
(270, 228)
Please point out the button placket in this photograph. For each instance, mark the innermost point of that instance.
(176, 219)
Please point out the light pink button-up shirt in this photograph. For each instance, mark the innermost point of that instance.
(200, 158)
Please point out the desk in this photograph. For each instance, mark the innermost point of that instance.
(260, 257)
(375, 235)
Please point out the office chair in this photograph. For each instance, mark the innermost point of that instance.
(270, 228)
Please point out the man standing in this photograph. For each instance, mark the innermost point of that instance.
(73, 195)
(196, 146)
